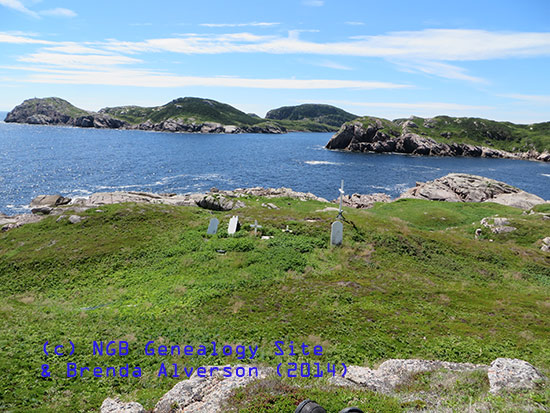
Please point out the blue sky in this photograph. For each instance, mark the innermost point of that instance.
(390, 59)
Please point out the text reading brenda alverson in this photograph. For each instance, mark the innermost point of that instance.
(240, 352)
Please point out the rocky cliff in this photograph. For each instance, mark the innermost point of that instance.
(444, 136)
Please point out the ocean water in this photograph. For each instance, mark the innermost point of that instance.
(76, 162)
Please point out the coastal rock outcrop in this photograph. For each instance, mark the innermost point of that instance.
(363, 201)
(380, 135)
(395, 372)
(459, 187)
(207, 393)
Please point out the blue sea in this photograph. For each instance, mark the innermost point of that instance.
(77, 162)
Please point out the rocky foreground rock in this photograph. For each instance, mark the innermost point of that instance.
(378, 137)
(208, 394)
(458, 187)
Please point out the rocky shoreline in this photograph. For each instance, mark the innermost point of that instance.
(356, 137)
(450, 188)
(104, 121)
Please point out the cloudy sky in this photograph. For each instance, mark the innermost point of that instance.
(383, 58)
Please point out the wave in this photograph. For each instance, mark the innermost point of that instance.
(322, 163)
(548, 175)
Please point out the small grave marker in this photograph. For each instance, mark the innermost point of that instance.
(255, 226)
(336, 233)
(287, 229)
(213, 226)
(233, 225)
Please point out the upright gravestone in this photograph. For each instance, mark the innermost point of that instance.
(233, 223)
(213, 227)
(336, 233)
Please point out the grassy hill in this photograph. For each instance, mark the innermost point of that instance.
(409, 281)
(483, 132)
(188, 109)
(325, 114)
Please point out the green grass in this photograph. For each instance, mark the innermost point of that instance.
(406, 283)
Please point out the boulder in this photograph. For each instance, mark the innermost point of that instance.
(44, 210)
(49, 201)
(205, 394)
(458, 187)
(219, 203)
(75, 219)
(512, 374)
(116, 406)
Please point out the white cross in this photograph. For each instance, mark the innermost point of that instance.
(340, 210)
(255, 226)
(287, 229)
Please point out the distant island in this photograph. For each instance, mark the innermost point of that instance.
(445, 136)
(188, 114)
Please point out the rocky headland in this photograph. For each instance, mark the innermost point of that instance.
(186, 115)
(445, 136)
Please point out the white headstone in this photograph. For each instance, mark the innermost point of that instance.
(336, 233)
(213, 227)
(233, 223)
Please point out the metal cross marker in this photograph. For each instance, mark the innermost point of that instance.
(340, 210)
(255, 226)
(287, 229)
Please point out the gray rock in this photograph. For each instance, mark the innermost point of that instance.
(512, 374)
(205, 394)
(502, 229)
(116, 406)
(545, 248)
(49, 201)
(457, 187)
(362, 201)
(42, 210)
(395, 372)
(219, 203)
(75, 219)
(546, 240)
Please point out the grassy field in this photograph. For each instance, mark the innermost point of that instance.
(409, 281)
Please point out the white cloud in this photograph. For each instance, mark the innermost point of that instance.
(115, 76)
(540, 99)
(20, 38)
(17, 5)
(444, 70)
(59, 12)
(332, 65)
(355, 23)
(77, 61)
(313, 3)
(425, 45)
(253, 24)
